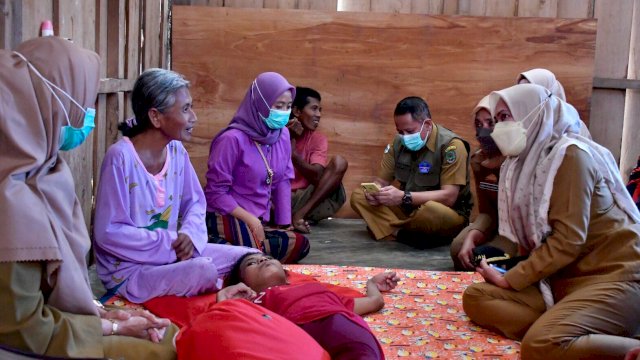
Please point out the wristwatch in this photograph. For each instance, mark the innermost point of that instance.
(407, 200)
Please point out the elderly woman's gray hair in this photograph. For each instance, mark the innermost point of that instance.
(154, 89)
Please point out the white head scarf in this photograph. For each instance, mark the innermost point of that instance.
(544, 78)
(526, 181)
(483, 104)
(547, 80)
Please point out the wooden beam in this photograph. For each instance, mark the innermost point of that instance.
(539, 8)
(580, 9)
(132, 49)
(611, 61)
(112, 85)
(505, 8)
(620, 84)
(630, 148)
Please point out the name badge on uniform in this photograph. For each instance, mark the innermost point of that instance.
(424, 167)
(488, 186)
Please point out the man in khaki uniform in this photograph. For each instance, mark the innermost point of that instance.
(430, 164)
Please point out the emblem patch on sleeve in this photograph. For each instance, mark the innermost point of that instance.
(450, 155)
(386, 150)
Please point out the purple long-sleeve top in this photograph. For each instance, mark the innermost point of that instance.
(237, 176)
(139, 215)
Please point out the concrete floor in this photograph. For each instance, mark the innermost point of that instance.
(347, 242)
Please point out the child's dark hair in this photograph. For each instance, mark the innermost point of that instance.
(154, 88)
(234, 275)
(302, 97)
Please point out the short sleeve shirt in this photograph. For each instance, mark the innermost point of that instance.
(454, 169)
(313, 147)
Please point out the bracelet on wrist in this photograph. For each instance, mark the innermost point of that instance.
(114, 327)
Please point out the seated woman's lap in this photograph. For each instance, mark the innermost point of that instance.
(593, 322)
(225, 256)
(507, 312)
(126, 347)
(284, 245)
(151, 281)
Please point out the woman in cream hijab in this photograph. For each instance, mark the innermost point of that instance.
(544, 78)
(562, 201)
(547, 80)
(47, 305)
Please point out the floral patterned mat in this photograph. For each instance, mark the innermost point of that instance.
(422, 317)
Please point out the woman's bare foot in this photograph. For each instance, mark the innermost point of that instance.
(300, 225)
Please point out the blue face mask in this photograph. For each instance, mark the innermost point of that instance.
(70, 137)
(277, 119)
(414, 141)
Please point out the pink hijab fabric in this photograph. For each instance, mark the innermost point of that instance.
(257, 102)
(526, 181)
(41, 219)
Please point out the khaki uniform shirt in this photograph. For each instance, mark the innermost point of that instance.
(592, 239)
(454, 173)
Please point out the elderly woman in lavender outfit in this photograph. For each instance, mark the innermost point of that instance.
(150, 231)
(250, 173)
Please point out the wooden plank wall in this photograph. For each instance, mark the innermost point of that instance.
(616, 52)
(615, 112)
(362, 68)
(114, 29)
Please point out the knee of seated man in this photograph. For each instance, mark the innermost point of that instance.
(432, 205)
(339, 163)
(357, 198)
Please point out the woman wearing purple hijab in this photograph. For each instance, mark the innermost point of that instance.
(250, 174)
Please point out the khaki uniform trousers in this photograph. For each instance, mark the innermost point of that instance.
(597, 321)
(430, 218)
(28, 324)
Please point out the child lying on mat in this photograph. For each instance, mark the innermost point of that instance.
(330, 319)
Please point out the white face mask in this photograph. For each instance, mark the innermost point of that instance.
(510, 137)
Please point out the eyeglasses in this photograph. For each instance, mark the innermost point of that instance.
(503, 116)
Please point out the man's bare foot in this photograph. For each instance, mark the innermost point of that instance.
(301, 226)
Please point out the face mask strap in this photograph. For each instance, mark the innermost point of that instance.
(540, 106)
(260, 93)
(49, 86)
(421, 127)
